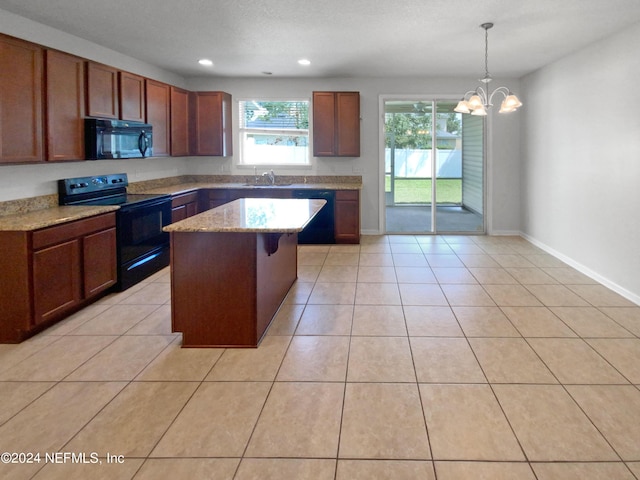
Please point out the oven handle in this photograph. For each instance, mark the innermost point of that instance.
(143, 143)
(161, 200)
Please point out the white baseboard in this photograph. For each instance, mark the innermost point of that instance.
(585, 270)
(505, 233)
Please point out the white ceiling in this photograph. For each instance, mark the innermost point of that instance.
(341, 37)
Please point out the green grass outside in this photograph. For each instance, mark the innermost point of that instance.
(418, 190)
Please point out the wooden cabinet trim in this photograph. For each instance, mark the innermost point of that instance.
(336, 124)
(179, 122)
(183, 198)
(211, 117)
(100, 271)
(347, 195)
(21, 97)
(56, 280)
(158, 114)
(60, 233)
(65, 101)
(102, 91)
(131, 97)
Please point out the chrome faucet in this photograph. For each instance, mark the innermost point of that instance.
(271, 176)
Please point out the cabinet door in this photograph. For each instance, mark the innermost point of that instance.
(102, 91)
(324, 124)
(21, 84)
(65, 106)
(214, 198)
(178, 213)
(158, 97)
(347, 216)
(336, 124)
(56, 280)
(132, 98)
(348, 124)
(179, 122)
(99, 261)
(213, 124)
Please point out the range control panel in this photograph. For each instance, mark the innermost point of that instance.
(73, 186)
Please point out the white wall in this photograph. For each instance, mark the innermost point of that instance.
(503, 164)
(581, 160)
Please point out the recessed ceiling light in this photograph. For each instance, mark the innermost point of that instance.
(304, 61)
(206, 62)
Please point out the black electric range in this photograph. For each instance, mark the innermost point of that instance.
(142, 246)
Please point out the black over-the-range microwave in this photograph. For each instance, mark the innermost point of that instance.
(112, 139)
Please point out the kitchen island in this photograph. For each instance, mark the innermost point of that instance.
(231, 268)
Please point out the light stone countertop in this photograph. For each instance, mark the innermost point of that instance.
(49, 217)
(259, 215)
(189, 187)
(40, 212)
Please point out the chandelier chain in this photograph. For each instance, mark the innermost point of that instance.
(486, 53)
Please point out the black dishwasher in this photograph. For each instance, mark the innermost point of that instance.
(320, 229)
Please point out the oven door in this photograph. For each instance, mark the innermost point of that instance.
(141, 240)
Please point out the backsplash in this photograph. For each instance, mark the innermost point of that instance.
(24, 205)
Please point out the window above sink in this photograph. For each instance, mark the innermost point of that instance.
(274, 132)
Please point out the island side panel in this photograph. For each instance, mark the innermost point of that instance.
(276, 273)
(213, 288)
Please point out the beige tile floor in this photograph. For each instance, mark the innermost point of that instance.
(405, 357)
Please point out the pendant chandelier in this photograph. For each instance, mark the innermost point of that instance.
(478, 101)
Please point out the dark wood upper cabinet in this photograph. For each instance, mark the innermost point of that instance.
(102, 91)
(132, 97)
(212, 124)
(336, 124)
(45, 95)
(21, 85)
(158, 105)
(179, 122)
(64, 80)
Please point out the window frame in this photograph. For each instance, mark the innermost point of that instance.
(243, 130)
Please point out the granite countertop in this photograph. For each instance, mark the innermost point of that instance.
(259, 215)
(49, 217)
(189, 187)
(39, 212)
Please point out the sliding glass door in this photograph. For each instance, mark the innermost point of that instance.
(434, 168)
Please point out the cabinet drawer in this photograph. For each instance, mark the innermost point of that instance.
(183, 199)
(61, 233)
(218, 194)
(347, 195)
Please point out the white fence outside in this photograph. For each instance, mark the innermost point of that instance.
(412, 163)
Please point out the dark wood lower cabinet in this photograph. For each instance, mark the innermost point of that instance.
(56, 280)
(347, 216)
(98, 254)
(226, 287)
(51, 272)
(212, 198)
(184, 205)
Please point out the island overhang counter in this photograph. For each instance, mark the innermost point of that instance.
(231, 268)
